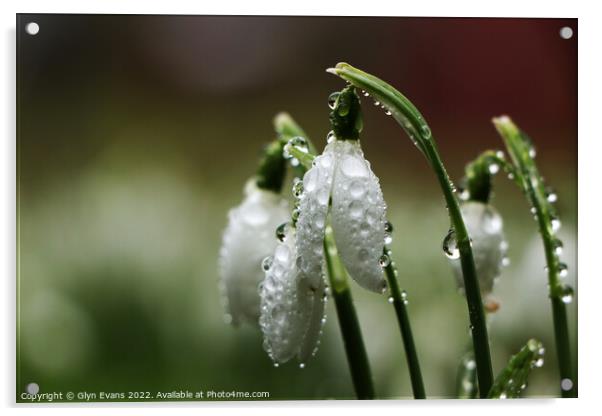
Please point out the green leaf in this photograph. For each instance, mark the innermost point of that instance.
(511, 382)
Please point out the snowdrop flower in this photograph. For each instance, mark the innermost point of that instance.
(248, 239)
(342, 177)
(485, 228)
(292, 312)
(340, 183)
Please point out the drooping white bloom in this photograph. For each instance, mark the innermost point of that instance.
(342, 176)
(248, 239)
(485, 228)
(292, 312)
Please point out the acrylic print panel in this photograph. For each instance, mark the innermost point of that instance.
(152, 260)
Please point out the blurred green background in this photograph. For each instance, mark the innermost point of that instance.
(136, 135)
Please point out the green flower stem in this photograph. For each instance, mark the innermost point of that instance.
(348, 322)
(521, 152)
(513, 379)
(410, 119)
(401, 310)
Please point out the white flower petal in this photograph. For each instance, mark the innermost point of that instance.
(247, 240)
(358, 216)
(317, 185)
(316, 300)
(485, 228)
(291, 311)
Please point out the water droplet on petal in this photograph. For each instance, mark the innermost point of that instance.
(281, 231)
(330, 137)
(357, 189)
(353, 167)
(297, 187)
(267, 263)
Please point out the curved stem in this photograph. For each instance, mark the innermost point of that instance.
(410, 119)
(348, 322)
(400, 305)
(522, 154)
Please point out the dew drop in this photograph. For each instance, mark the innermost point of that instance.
(532, 153)
(503, 395)
(510, 175)
(356, 189)
(390, 299)
(426, 131)
(295, 214)
(302, 365)
(563, 270)
(555, 222)
(377, 103)
(551, 195)
(384, 260)
(558, 246)
(471, 364)
(538, 363)
(404, 297)
(282, 254)
(297, 187)
(281, 231)
(450, 246)
(330, 137)
(493, 168)
(332, 100)
(500, 155)
(505, 261)
(566, 294)
(365, 93)
(388, 239)
(356, 209)
(387, 112)
(388, 227)
(267, 263)
(353, 167)
(276, 365)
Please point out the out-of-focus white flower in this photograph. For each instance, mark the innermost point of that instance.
(342, 176)
(489, 247)
(248, 239)
(292, 312)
